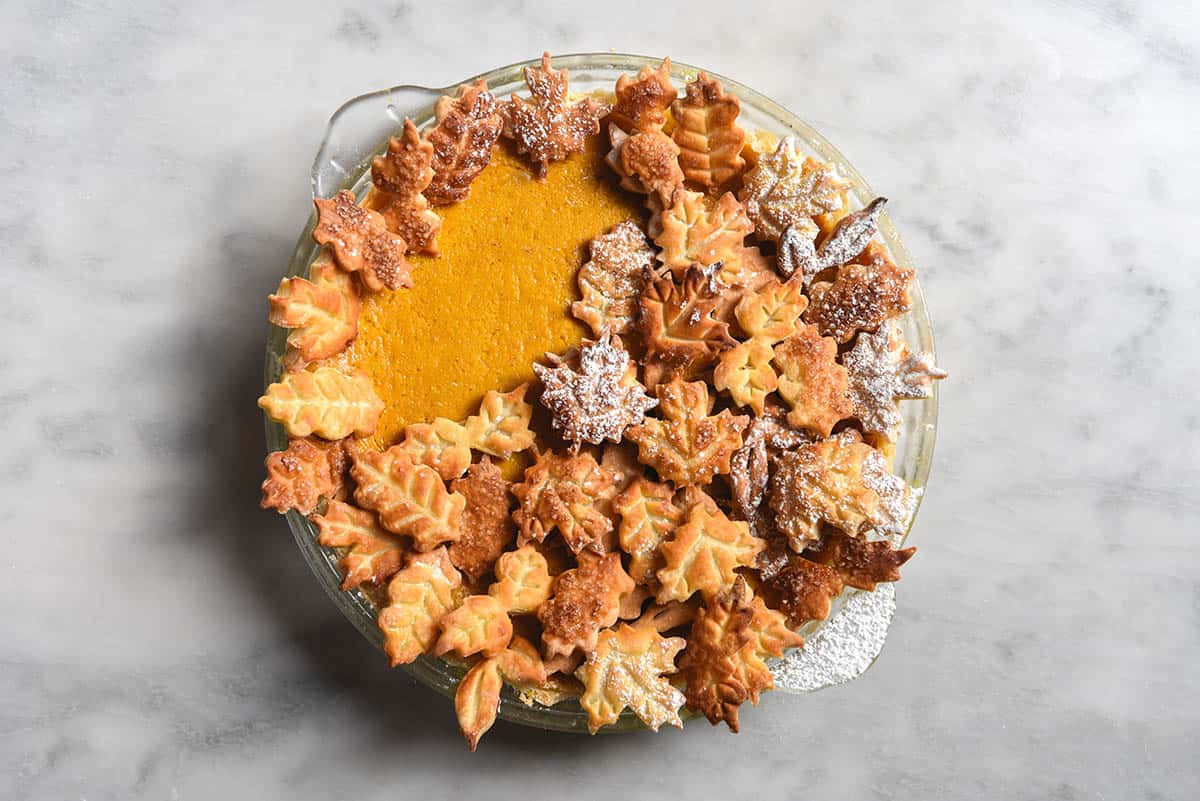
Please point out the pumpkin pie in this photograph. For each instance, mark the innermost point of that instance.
(593, 396)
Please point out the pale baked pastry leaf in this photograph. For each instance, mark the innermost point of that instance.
(409, 498)
(704, 555)
(321, 311)
(628, 668)
(612, 278)
(565, 493)
(812, 381)
(501, 428)
(325, 401)
(373, 555)
(479, 625)
(418, 597)
(523, 580)
(822, 482)
(786, 188)
(648, 516)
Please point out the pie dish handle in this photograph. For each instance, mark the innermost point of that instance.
(358, 128)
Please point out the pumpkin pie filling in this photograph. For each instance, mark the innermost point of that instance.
(684, 481)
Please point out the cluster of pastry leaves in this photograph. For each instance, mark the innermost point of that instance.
(727, 530)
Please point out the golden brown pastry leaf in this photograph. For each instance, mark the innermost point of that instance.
(299, 476)
(373, 554)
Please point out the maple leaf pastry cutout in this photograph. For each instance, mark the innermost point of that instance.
(409, 498)
(706, 130)
(443, 445)
(487, 527)
(745, 372)
(477, 699)
(721, 664)
(822, 482)
(628, 668)
(676, 321)
(799, 255)
(361, 242)
(299, 476)
(691, 232)
(642, 101)
(547, 127)
(583, 601)
(882, 371)
(467, 127)
(401, 175)
(372, 555)
(688, 446)
(501, 427)
(326, 402)
(648, 517)
(566, 493)
(704, 554)
(612, 278)
(479, 625)
(865, 294)
(419, 596)
(321, 311)
(811, 381)
(786, 188)
(597, 400)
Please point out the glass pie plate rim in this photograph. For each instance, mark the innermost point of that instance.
(359, 129)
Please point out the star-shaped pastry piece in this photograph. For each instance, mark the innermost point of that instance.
(628, 668)
(642, 101)
(372, 554)
(881, 372)
(325, 401)
(648, 516)
(798, 254)
(299, 476)
(467, 127)
(400, 176)
(583, 601)
(321, 311)
(721, 664)
(677, 324)
(786, 188)
(822, 482)
(566, 493)
(418, 597)
(611, 280)
(704, 554)
(410, 498)
(864, 295)
(688, 446)
(361, 242)
(597, 399)
(706, 130)
(811, 381)
(547, 127)
(487, 527)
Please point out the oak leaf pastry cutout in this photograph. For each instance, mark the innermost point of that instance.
(547, 127)
(772, 312)
(690, 232)
(599, 398)
(688, 446)
(361, 242)
(863, 296)
(409, 498)
(299, 476)
(418, 597)
(798, 252)
(501, 428)
(811, 381)
(477, 699)
(325, 401)
(745, 372)
(321, 311)
(372, 556)
(642, 101)
(647, 162)
(442, 445)
(882, 371)
(400, 176)
(467, 128)
(523, 580)
(612, 278)
(677, 324)
(721, 664)
(583, 601)
(487, 527)
(648, 516)
(628, 668)
(704, 554)
(479, 625)
(786, 188)
(709, 138)
(565, 493)
(822, 482)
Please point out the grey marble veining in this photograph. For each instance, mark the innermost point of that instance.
(161, 637)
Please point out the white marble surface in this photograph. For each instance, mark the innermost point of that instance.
(161, 637)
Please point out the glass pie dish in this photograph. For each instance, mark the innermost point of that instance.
(360, 129)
